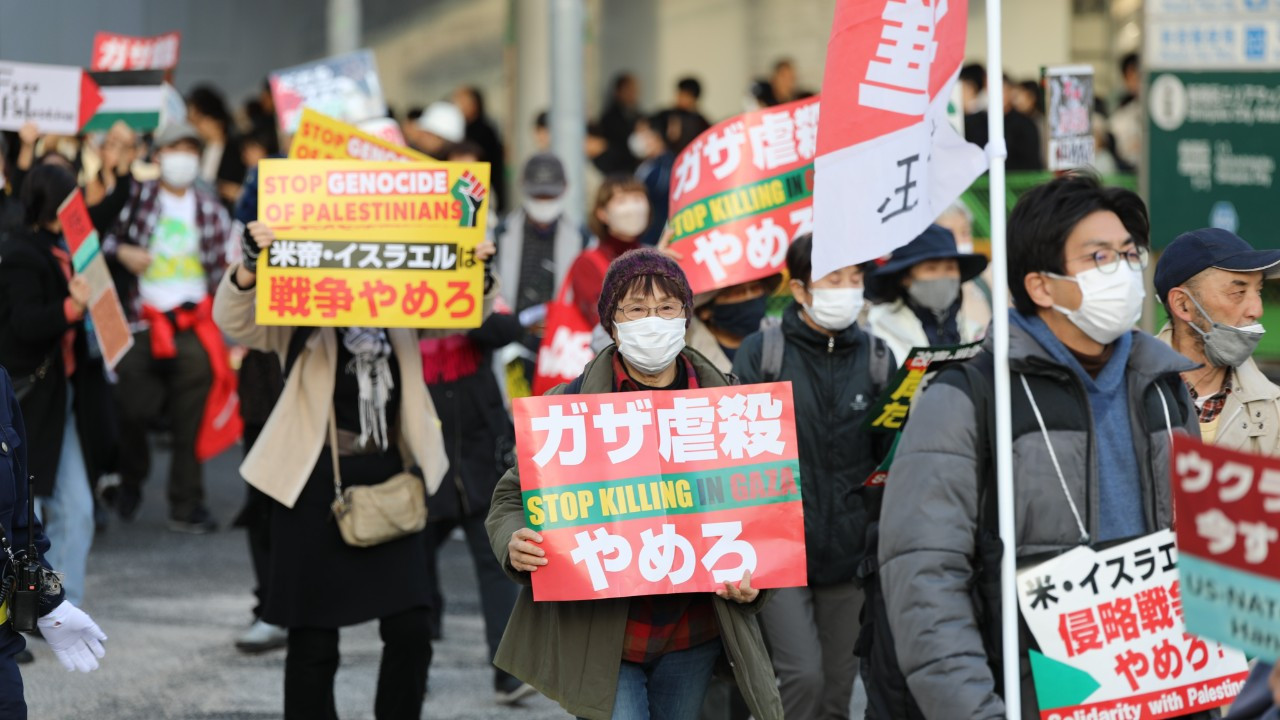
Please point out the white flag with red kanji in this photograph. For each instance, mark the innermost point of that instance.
(888, 160)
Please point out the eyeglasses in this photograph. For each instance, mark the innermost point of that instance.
(666, 311)
(1108, 260)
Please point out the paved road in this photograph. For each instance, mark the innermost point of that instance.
(172, 605)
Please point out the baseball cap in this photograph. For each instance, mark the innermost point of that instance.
(175, 132)
(1198, 250)
(544, 176)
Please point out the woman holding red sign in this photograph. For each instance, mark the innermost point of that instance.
(631, 657)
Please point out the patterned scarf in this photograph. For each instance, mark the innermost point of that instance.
(370, 349)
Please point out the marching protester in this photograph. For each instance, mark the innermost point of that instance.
(440, 128)
(480, 442)
(73, 636)
(221, 165)
(646, 656)
(619, 218)
(169, 250)
(61, 387)
(1210, 282)
(723, 318)
(354, 413)
(481, 131)
(920, 298)
(1095, 405)
(617, 122)
(836, 370)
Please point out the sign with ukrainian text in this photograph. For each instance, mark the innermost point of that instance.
(889, 161)
(648, 493)
(380, 244)
(320, 137)
(1112, 643)
(1228, 506)
(741, 192)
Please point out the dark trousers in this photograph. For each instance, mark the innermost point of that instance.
(12, 704)
(174, 390)
(312, 663)
(255, 518)
(497, 592)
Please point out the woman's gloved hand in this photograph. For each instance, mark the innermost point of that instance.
(74, 637)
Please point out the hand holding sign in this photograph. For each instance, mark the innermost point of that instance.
(80, 291)
(525, 554)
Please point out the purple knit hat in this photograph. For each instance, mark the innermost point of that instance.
(634, 264)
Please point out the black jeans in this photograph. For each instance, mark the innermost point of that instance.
(312, 663)
(497, 592)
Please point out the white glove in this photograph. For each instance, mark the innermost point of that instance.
(74, 637)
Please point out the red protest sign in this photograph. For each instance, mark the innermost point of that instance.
(741, 192)
(76, 225)
(1228, 511)
(888, 160)
(113, 52)
(649, 493)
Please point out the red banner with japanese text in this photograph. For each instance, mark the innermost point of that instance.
(741, 192)
(647, 493)
(380, 244)
(1228, 509)
(112, 52)
(1112, 640)
(889, 162)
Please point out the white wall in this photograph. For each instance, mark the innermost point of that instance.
(1034, 33)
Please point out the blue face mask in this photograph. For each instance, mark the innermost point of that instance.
(739, 318)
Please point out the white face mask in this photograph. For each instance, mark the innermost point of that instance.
(179, 169)
(835, 308)
(627, 219)
(651, 344)
(544, 211)
(637, 145)
(1110, 302)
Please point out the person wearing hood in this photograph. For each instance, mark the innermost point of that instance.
(1210, 282)
(723, 318)
(836, 370)
(644, 656)
(920, 289)
(441, 126)
(1094, 407)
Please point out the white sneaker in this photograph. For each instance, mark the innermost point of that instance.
(261, 637)
(514, 696)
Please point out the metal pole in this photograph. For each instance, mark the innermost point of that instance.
(568, 107)
(1000, 327)
(343, 26)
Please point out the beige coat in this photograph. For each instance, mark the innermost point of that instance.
(285, 453)
(1250, 419)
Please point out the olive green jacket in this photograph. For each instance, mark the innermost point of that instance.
(571, 651)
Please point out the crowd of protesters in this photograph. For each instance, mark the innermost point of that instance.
(891, 572)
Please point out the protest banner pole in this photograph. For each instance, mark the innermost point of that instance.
(996, 153)
(568, 107)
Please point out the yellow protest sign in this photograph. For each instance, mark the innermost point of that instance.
(320, 137)
(382, 244)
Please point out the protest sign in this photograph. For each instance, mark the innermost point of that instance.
(112, 52)
(57, 98)
(323, 138)
(386, 244)
(889, 414)
(741, 192)
(647, 493)
(1069, 93)
(889, 162)
(345, 87)
(134, 97)
(1112, 642)
(1228, 506)
(106, 315)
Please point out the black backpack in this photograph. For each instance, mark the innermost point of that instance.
(888, 697)
(773, 343)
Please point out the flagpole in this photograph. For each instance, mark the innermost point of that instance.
(1000, 328)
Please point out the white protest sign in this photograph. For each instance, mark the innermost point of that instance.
(58, 99)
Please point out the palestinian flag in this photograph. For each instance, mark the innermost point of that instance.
(134, 96)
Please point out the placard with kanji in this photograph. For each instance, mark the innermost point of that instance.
(741, 192)
(379, 244)
(1112, 643)
(647, 493)
(1228, 506)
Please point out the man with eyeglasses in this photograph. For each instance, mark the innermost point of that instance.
(1094, 404)
(1210, 282)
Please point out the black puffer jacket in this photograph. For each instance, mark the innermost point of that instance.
(833, 391)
